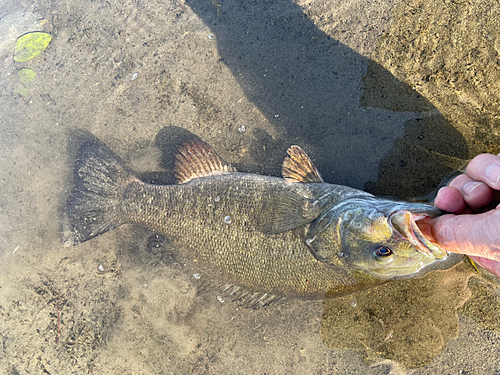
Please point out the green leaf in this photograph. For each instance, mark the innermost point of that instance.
(22, 90)
(26, 75)
(31, 45)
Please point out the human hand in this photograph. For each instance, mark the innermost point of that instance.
(474, 228)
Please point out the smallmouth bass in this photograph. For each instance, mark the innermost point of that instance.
(262, 236)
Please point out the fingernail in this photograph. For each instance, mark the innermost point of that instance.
(492, 173)
(470, 186)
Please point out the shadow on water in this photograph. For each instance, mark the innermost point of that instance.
(371, 132)
(409, 321)
(310, 87)
(429, 149)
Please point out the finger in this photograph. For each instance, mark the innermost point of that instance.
(425, 227)
(450, 199)
(475, 193)
(491, 265)
(485, 168)
(477, 234)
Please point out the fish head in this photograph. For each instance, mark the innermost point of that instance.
(377, 236)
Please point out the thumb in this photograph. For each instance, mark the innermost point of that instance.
(475, 234)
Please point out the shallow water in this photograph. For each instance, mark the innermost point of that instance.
(338, 78)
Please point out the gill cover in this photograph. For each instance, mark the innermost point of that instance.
(324, 236)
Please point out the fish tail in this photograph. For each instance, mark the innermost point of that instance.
(100, 178)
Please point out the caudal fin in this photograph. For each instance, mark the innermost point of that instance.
(100, 178)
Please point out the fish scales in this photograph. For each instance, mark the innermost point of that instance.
(193, 215)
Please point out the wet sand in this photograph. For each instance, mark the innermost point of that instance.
(373, 91)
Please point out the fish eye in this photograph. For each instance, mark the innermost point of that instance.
(382, 254)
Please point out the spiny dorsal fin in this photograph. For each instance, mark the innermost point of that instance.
(196, 158)
(297, 167)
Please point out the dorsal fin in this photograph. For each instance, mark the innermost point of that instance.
(297, 167)
(196, 158)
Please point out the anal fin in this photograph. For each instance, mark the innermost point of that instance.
(244, 297)
(248, 298)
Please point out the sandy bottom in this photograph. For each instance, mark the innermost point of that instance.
(387, 96)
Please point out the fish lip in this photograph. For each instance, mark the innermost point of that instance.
(404, 227)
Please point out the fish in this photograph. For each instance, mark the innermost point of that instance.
(264, 237)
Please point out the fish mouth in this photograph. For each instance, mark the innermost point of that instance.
(404, 227)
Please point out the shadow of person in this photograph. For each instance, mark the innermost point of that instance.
(309, 86)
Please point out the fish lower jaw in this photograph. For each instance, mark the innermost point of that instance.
(395, 272)
(404, 227)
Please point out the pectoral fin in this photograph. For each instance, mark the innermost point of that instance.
(286, 212)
